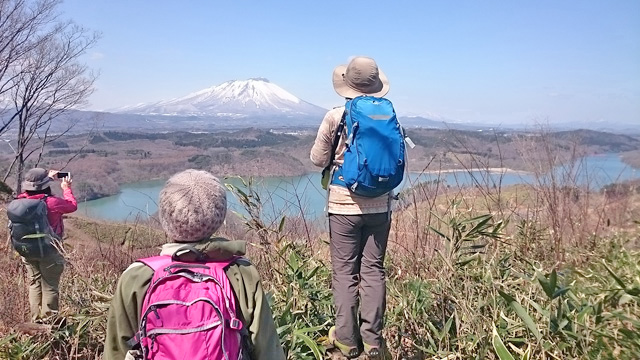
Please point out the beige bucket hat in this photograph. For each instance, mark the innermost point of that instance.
(360, 77)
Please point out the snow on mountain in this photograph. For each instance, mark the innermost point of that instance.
(235, 99)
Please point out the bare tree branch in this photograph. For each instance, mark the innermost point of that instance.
(40, 75)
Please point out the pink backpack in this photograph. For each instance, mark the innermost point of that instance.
(189, 312)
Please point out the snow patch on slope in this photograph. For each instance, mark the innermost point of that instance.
(255, 96)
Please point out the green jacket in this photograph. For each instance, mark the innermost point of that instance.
(124, 313)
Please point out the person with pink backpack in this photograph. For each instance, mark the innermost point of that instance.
(200, 298)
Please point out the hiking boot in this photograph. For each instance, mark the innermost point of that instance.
(377, 352)
(350, 352)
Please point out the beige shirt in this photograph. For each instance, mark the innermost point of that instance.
(341, 200)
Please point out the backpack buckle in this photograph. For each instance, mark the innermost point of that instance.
(235, 324)
(354, 186)
(134, 342)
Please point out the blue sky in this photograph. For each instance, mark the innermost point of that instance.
(468, 61)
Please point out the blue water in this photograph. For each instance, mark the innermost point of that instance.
(280, 195)
(303, 195)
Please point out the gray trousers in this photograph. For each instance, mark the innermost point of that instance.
(358, 246)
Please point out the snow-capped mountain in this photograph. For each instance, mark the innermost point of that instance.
(231, 99)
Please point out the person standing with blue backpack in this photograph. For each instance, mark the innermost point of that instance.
(361, 148)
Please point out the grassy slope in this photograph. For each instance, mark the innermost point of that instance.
(437, 304)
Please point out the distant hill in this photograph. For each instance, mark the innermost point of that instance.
(423, 122)
(613, 142)
(259, 103)
(234, 104)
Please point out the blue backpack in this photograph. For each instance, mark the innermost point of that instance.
(374, 159)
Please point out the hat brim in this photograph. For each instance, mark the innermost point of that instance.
(32, 186)
(344, 90)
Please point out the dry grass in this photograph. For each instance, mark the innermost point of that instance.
(437, 308)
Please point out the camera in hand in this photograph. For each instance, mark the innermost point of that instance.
(62, 175)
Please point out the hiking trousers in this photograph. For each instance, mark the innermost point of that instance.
(358, 245)
(44, 280)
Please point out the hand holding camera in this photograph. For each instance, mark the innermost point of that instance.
(64, 175)
(66, 182)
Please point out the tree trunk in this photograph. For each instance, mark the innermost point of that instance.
(19, 175)
(22, 143)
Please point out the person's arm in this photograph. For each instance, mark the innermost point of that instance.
(264, 336)
(66, 204)
(256, 313)
(123, 317)
(321, 150)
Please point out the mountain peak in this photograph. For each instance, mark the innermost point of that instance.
(234, 98)
(260, 79)
(247, 81)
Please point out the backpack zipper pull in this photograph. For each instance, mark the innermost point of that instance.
(155, 311)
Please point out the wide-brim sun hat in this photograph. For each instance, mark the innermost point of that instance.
(361, 76)
(36, 179)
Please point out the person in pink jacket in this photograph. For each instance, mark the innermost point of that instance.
(44, 274)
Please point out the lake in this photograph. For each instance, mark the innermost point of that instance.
(287, 195)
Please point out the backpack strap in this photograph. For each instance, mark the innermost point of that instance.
(134, 342)
(336, 140)
(162, 261)
(199, 256)
(156, 262)
(327, 172)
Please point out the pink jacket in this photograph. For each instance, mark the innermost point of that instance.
(56, 207)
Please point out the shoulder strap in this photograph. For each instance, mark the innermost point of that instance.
(46, 206)
(336, 140)
(160, 262)
(222, 264)
(156, 262)
(198, 256)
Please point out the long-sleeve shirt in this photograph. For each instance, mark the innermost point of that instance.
(341, 200)
(56, 207)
